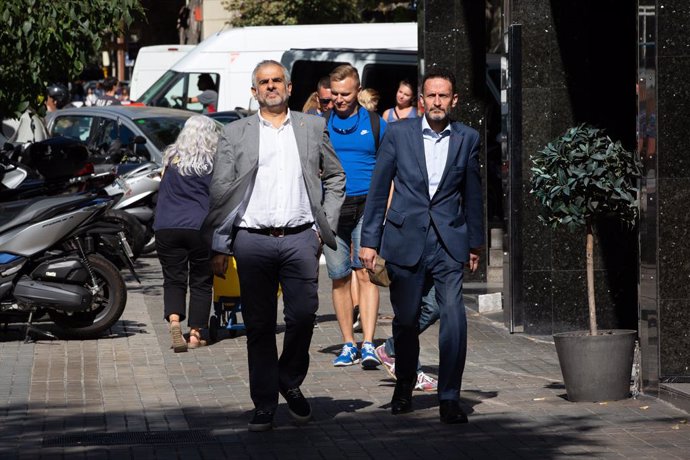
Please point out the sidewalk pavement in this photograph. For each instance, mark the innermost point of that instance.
(129, 396)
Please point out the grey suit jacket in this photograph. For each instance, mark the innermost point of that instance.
(236, 164)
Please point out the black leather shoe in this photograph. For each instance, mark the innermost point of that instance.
(262, 420)
(402, 397)
(451, 412)
(297, 405)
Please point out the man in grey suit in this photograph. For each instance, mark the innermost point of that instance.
(433, 227)
(276, 195)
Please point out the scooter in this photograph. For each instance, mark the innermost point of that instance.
(31, 171)
(52, 259)
(137, 192)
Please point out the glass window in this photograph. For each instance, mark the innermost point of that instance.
(161, 131)
(178, 90)
(385, 78)
(73, 127)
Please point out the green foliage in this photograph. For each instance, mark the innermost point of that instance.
(584, 173)
(46, 41)
(290, 12)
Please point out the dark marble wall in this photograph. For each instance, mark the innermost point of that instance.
(668, 170)
(578, 65)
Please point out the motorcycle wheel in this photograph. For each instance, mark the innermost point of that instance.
(134, 230)
(107, 305)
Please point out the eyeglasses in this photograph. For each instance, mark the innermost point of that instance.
(325, 101)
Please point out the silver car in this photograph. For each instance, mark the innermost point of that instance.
(146, 130)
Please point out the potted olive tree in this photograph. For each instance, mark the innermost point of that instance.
(577, 177)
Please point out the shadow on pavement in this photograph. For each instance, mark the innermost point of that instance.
(335, 432)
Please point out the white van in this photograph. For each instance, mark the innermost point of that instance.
(230, 56)
(151, 63)
(379, 69)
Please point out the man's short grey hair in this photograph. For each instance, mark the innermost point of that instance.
(286, 74)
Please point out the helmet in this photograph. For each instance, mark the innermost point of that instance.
(60, 93)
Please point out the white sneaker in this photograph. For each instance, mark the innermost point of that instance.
(425, 382)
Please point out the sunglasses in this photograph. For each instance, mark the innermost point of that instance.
(325, 101)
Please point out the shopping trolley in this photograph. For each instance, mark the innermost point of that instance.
(227, 305)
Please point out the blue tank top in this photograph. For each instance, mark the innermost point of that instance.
(391, 114)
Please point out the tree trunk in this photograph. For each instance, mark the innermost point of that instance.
(590, 280)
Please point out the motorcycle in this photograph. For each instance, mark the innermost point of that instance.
(60, 166)
(136, 192)
(54, 258)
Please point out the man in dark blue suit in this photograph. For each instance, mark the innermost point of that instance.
(433, 227)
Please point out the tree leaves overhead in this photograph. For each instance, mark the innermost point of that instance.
(583, 173)
(290, 12)
(46, 41)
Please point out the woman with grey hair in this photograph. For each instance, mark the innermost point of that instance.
(182, 206)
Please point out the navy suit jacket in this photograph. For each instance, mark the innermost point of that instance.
(456, 208)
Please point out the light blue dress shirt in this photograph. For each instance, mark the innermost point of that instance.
(435, 153)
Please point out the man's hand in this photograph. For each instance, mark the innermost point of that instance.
(368, 257)
(219, 265)
(473, 264)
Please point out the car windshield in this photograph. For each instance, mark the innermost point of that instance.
(162, 131)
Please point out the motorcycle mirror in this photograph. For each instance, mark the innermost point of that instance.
(141, 140)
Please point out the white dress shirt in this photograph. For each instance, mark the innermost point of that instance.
(277, 196)
(435, 153)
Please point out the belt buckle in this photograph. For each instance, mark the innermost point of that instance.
(277, 232)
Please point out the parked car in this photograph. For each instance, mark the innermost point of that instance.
(228, 116)
(144, 130)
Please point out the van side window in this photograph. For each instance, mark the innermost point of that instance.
(304, 76)
(384, 78)
(197, 92)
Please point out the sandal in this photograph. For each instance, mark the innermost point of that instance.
(179, 345)
(199, 342)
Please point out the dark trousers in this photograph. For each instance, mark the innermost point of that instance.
(185, 262)
(428, 315)
(263, 262)
(407, 288)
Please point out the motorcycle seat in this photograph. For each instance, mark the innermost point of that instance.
(15, 213)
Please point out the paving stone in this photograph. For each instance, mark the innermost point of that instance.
(131, 384)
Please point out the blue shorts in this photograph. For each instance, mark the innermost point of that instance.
(342, 261)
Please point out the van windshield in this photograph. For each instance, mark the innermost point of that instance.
(165, 81)
(197, 92)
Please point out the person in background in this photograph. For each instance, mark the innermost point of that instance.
(405, 101)
(183, 201)
(355, 134)
(208, 97)
(311, 106)
(108, 98)
(57, 97)
(124, 96)
(369, 99)
(91, 97)
(324, 98)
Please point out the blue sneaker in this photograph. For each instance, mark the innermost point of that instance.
(369, 358)
(348, 356)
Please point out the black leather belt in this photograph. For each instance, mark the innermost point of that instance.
(279, 232)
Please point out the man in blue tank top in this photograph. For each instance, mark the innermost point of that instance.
(352, 135)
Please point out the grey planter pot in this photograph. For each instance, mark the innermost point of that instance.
(596, 368)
